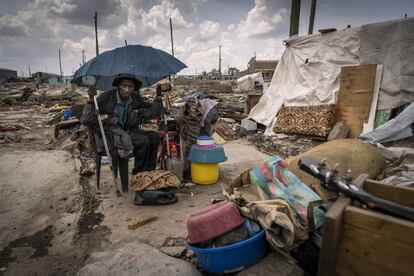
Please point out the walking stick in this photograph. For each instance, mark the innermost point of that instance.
(118, 191)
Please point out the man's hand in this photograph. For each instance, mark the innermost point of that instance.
(91, 93)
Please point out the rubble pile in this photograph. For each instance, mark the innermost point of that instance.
(281, 144)
(27, 93)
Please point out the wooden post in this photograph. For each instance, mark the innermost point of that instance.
(294, 18)
(172, 39)
(30, 72)
(60, 65)
(83, 57)
(312, 17)
(220, 62)
(126, 43)
(96, 33)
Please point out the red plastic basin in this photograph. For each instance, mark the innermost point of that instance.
(213, 221)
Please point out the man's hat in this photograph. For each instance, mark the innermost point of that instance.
(119, 77)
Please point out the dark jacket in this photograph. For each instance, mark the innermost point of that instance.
(139, 111)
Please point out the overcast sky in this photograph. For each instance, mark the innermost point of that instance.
(32, 32)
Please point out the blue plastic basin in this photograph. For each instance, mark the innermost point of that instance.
(233, 257)
(207, 155)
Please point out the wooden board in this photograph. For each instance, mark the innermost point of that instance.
(401, 195)
(375, 244)
(355, 96)
(332, 230)
(252, 100)
(374, 103)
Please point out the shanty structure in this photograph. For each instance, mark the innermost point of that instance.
(266, 67)
(47, 77)
(309, 72)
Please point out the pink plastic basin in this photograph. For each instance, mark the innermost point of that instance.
(213, 221)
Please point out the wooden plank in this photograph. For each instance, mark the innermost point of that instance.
(355, 96)
(380, 224)
(397, 194)
(353, 265)
(377, 250)
(331, 235)
(332, 231)
(372, 112)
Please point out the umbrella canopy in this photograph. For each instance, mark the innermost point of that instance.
(148, 64)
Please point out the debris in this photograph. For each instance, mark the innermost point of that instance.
(9, 137)
(248, 124)
(225, 130)
(65, 125)
(142, 222)
(339, 131)
(218, 139)
(87, 169)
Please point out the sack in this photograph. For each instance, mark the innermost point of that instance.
(156, 197)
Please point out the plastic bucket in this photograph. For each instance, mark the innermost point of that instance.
(204, 174)
(233, 257)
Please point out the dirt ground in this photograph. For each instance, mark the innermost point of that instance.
(52, 220)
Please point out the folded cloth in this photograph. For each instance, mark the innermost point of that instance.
(279, 221)
(154, 180)
(125, 153)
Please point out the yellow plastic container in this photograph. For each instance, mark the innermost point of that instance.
(204, 174)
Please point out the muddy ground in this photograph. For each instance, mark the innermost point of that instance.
(52, 220)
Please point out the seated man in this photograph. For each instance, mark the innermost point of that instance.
(125, 109)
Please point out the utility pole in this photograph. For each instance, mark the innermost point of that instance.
(220, 61)
(30, 72)
(172, 39)
(294, 18)
(96, 33)
(60, 65)
(312, 17)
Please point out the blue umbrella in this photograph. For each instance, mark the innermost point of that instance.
(148, 64)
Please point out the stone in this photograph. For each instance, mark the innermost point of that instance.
(131, 257)
(174, 251)
(339, 131)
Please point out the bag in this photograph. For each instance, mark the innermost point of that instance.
(156, 197)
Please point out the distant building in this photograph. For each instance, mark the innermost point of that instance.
(267, 67)
(6, 74)
(47, 77)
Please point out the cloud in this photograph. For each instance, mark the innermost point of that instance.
(79, 12)
(208, 29)
(34, 34)
(141, 24)
(14, 25)
(262, 19)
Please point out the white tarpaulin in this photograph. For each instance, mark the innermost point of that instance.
(309, 70)
(249, 82)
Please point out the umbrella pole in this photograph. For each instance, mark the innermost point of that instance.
(166, 131)
(118, 191)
